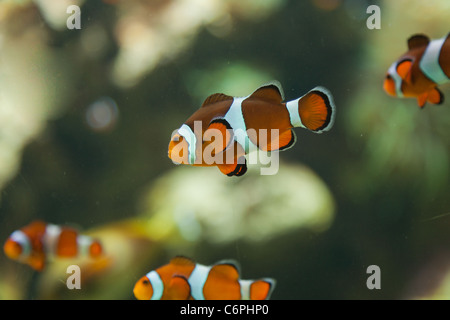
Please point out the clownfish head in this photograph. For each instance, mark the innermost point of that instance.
(389, 85)
(143, 289)
(95, 249)
(182, 146)
(17, 245)
(398, 77)
(12, 249)
(149, 287)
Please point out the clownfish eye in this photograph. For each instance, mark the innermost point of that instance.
(388, 76)
(146, 282)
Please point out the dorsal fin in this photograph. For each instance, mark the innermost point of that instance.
(232, 263)
(271, 91)
(225, 270)
(182, 261)
(216, 97)
(417, 41)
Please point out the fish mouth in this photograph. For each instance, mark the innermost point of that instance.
(143, 290)
(178, 150)
(389, 86)
(12, 249)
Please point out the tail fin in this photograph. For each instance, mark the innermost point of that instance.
(262, 289)
(316, 110)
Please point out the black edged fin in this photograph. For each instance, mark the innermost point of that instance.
(271, 91)
(232, 263)
(442, 96)
(226, 132)
(291, 143)
(225, 270)
(404, 69)
(286, 140)
(216, 97)
(317, 110)
(240, 169)
(435, 96)
(417, 41)
(262, 289)
(221, 120)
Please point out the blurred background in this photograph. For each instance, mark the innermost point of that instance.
(86, 116)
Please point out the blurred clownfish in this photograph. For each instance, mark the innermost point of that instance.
(183, 279)
(419, 71)
(36, 242)
(227, 128)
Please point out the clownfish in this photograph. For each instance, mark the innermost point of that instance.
(227, 128)
(183, 279)
(419, 71)
(36, 242)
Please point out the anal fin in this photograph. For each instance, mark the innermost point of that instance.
(435, 96)
(422, 99)
(37, 261)
(283, 141)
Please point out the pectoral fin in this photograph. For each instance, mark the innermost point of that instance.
(404, 70)
(220, 134)
(178, 289)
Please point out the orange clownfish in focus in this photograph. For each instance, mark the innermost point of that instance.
(227, 128)
(36, 242)
(419, 71)
(183, 279)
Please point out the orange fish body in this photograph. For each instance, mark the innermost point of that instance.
(34, 243)
(418, 72)
(227, 128)
(183, 279)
